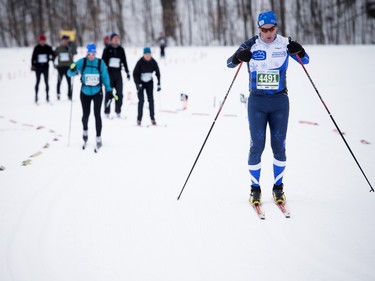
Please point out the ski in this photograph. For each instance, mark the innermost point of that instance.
(283, 209)
(259, 211)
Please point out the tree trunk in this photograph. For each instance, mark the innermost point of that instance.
(169, 18)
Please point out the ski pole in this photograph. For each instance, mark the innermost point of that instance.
(71, 110)
(334, 122)
(209, 132)
(108, 103)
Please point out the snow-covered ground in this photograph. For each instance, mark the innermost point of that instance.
(76, 215)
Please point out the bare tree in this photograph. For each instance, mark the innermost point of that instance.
(203, 22)
(169, 18)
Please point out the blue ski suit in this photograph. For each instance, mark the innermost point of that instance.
(268, 102)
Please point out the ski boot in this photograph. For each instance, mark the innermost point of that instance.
(278, 194)
(255, 195)
(85, 138)
(98, 143)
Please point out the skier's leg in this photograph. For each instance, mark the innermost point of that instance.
(45, 74)
(98, 100)
(257, 126)
(38, 72)
(59, 79)
(141, 100)
(119, 92)
(86, 107)
(150, 99)
(278, 127)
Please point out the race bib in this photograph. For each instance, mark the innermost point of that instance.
(114, 62)
(42, 58)
(92, 79)
(268, 80)
(64, 57)
(146, 77)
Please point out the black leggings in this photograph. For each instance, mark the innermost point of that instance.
(86, 108)
(39, 72)
(116, 84)
(149, 87)
(63, 71)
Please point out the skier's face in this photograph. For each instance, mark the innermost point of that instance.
(115, 41)
(91, 55)
(147, 56)
(268, 32)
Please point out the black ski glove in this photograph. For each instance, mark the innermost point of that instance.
(295, 48)
(111, 95)
(242, 55)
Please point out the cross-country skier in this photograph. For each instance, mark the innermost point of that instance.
(267, 55)
(40, 58)
(93, 75)
(162, 41)
(143, 80)
(64, 56)
(115, 58)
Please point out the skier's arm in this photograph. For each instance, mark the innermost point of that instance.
(105, 56)
(33, 60)
(157, 72)
(125, 63)
(75, 68)
(137, 74)
(295, 48)
(52, 54)
(233, 61)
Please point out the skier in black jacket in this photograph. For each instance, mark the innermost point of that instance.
(142, 75)
(41, 56)
(115, 58)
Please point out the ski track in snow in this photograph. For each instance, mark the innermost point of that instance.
(73, 214)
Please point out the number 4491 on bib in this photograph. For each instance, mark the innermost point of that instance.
(268, 80)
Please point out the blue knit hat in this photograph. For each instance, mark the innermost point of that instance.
(91, 48)
(146, 50)
(267, 18)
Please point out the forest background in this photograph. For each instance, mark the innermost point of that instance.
(185, 22)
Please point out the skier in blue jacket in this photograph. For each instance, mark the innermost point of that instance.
(93, 75)
(267, 56)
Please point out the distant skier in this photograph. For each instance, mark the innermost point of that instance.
(115, 58)
(143, 80)
(93, 75)
(64, 57)
(267, 55)
(162, 41)
(40, 58)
